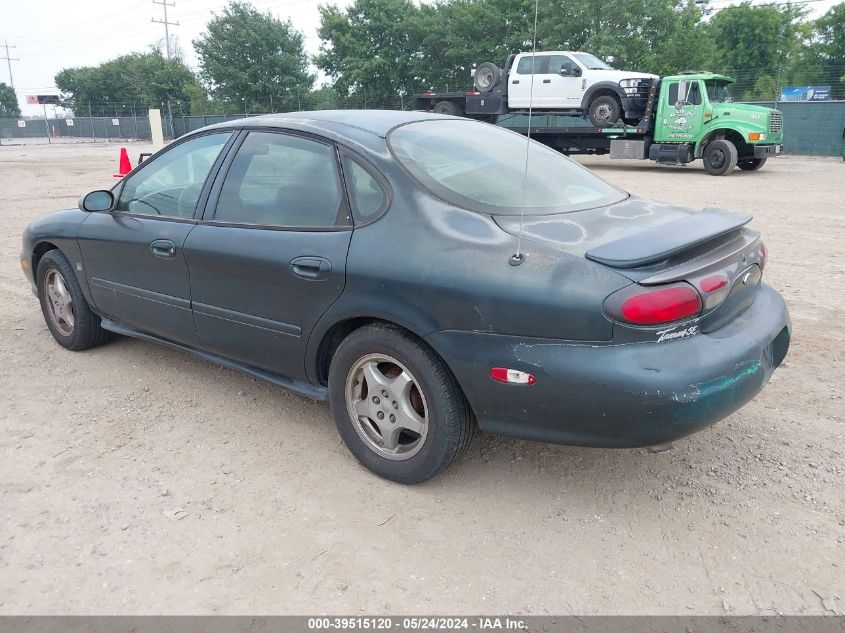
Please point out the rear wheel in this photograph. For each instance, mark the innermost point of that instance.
(604, 111)
(448, 107)
(720, 157)
(397, 407)
(69, 317)
(487, 77)
(751, 164)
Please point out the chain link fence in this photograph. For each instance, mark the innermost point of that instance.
(810, 127)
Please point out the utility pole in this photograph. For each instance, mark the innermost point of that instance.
(166, 22)
(9, 61)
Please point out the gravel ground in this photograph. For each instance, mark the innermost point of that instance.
(137, 479)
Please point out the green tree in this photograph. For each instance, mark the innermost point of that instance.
(372, 50)
(755, 38)
(830, 33)
(249, 58)
(136, 80)
(661, 36)
(8, 103)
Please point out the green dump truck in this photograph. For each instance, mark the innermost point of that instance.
(670, 120)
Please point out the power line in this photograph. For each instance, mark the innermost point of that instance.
(9, 61)
(166, 22)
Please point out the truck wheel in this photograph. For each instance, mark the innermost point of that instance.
(449, 107)
(487, 77)
(720, 157)
(751, 164)
(604, 111)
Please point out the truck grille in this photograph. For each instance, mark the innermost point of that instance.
(775, 122)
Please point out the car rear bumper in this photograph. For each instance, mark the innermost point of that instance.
(621, 396)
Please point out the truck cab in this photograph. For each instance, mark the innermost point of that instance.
(695, 118)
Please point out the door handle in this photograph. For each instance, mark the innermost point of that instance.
(515, 81)
(311, 268)
(547, 81)
(163, 248)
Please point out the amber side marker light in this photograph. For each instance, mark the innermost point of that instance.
(25, 264)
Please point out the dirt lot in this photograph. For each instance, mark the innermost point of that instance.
(137, 479)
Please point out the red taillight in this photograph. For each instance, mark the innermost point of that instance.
(764, 253)
(646, 306)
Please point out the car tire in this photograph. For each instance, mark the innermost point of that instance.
(720, 157)
(448, 107)
(487, 77)
(397, 407)
(604, 111)
(69, 317)
(751, 164)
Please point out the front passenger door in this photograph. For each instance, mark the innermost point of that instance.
(132, 255)
(560, 87)
(270, 258)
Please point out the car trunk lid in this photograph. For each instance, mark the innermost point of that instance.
(653, 243)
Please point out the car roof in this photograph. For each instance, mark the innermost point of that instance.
(378, 122)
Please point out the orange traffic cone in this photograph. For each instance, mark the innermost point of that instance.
(125, 165)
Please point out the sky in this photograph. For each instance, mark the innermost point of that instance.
(56, 34)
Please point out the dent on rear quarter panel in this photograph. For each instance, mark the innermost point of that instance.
(445, 268)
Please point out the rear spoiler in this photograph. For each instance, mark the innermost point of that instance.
(661, 242)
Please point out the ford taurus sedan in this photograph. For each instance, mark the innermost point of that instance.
(405, 267)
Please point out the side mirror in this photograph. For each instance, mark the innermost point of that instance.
(564, 72)
(682, 95)
(99, 200)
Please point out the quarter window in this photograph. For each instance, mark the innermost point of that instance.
(170, 184)
(281, 180)
(368, 196)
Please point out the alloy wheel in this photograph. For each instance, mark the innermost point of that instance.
(59, 303)
(387, 406)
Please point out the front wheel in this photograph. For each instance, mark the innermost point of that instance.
(604, 111)
(397, 407)
(69, 317)
(751, 164)
(720, 157)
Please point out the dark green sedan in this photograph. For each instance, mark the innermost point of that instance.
(425, 274)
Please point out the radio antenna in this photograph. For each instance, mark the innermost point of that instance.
(519, 257)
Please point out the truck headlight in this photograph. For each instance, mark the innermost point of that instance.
(630, 86)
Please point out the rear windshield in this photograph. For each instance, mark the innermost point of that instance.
(480, 167)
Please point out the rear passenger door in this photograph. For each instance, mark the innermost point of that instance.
(527, 69)
(269, 257)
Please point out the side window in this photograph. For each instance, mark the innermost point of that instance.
(693, 94)
(556, 62)
(524, 67)
(281, 180)
(170, 184)
(367, 195)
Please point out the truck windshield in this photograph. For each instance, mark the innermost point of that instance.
(592, 62)
(480, 167)
(718, 91)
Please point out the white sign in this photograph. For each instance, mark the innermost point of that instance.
(115, 121)
(21, 123)
(69, 122)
